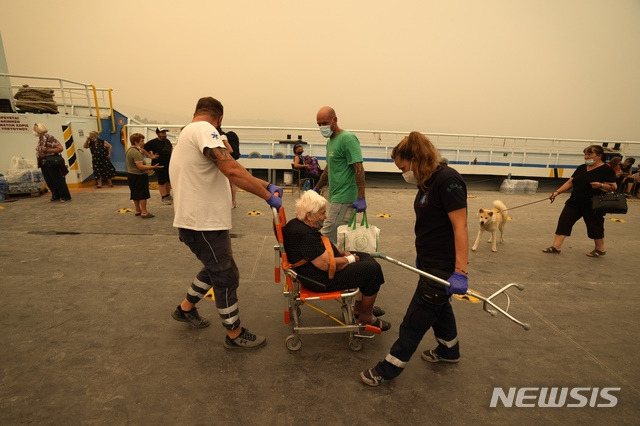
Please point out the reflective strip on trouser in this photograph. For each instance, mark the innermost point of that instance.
(213, 249)
(395, 361)
(197, 290)
(230, 315)
(449, 344)
(420, 316)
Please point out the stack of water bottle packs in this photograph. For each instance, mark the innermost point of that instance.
(22, 177)
(519, 186)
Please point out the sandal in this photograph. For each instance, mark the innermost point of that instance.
(596, 253)
(148, 216)
(551, 249)
(381, 324)
(138, 213)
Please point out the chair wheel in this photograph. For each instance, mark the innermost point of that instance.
(355, 344)
(293, 343)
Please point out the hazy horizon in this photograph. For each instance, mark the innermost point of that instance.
(547, 68)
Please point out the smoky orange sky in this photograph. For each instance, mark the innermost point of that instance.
(543, 68)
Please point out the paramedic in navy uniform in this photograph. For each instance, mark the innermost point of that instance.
(442, 248)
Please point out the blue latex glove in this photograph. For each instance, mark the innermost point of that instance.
(273, 189)
(359, 204)
(275, 201)
(459, 284)
(315, 188)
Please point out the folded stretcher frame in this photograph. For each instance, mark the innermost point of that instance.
(487, 301)
(296, 295)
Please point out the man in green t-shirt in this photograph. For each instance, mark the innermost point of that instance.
(344, 174)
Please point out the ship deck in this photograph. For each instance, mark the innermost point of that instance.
(87, 336)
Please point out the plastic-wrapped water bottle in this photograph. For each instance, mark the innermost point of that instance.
(307, 185)
(4, 187)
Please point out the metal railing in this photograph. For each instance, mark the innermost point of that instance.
(272, 148)
(68, 97)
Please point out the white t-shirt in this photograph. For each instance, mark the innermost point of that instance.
(201, 193)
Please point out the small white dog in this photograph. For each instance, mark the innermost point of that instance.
(492, 221)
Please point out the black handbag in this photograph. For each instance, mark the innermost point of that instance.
(54, 161)
(609, 202)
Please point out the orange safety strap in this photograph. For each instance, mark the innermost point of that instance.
(299, 263)
(332, 259)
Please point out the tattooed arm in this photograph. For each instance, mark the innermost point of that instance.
(359, 169)
(236, 173)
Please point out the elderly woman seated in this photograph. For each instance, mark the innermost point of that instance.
(324, 268)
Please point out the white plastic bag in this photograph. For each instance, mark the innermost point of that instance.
(362, 237)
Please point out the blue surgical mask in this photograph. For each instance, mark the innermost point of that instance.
(589, 161)
(326, 131)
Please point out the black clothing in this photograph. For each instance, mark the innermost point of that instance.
(303, 242)
(138, 186)
(435, 245)
(102, 167)
(436, 255)
(234, 143)
(54, 177)
(163, 149)
(582, 191)
(579, 203)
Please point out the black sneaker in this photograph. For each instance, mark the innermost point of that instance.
(246, 340)
(192, 317)
(432, 356)
(371, 377)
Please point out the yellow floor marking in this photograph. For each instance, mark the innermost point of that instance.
(467, 298)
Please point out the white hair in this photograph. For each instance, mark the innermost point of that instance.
(309, 202)
(41, 128)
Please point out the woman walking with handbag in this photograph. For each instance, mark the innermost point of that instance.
(51, 163)
(590, 179)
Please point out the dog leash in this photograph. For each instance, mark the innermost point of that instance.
(523, 205)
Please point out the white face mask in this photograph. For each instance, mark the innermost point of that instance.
(326, 131)
(589, 161)
(409, 177)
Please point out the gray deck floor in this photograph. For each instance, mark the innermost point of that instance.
(87, 338)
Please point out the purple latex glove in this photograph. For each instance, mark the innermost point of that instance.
(276, 196)
(459, 284)
(275, 201)
(315, 188)
(360, 205)
(273, 189)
